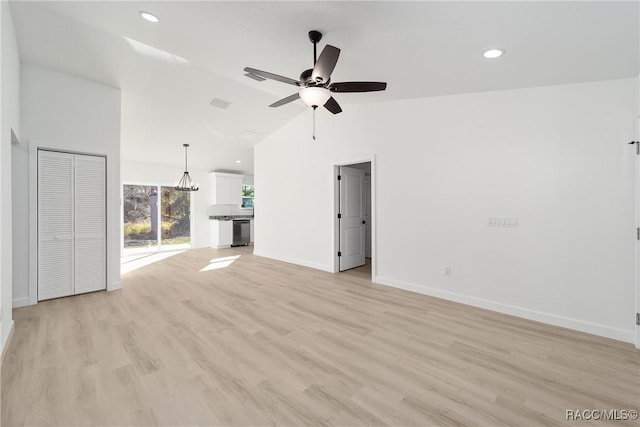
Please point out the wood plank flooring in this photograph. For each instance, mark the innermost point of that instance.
(260, 343)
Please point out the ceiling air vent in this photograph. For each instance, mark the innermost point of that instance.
(220, 103)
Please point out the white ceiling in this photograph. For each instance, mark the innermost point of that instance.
(170, 71)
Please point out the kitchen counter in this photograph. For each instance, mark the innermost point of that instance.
(230, 217)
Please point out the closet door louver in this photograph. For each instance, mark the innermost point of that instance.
(90, 220)
(55, 225)
(71, 224)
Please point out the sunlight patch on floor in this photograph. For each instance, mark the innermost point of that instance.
(134, 262)
(218, 263)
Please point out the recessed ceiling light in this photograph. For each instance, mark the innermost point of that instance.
(148, 16)
(238, 161)
(493, 53)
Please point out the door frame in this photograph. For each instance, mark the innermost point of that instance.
(637, 218)
(336, 203)
(34, 149)
(636, 148)
(637, 245)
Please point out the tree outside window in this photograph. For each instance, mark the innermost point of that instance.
(247, 196)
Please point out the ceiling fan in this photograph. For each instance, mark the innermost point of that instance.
(315, 83)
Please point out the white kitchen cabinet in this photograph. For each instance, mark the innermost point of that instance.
(220, 234)
(251, 231)
(226, 188)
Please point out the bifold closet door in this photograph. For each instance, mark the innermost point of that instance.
(90, 220)
(71, 224)
(55, 225)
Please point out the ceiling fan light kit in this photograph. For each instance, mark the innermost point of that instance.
(315, 96)
(315, 83)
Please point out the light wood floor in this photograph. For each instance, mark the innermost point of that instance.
(261, 343)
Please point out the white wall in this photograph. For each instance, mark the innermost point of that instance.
(10, 122)
(146, 174)
(70, 114)
(555, 157)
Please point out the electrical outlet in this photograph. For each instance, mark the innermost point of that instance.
(446, 270)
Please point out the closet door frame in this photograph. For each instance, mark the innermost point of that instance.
(34, 213)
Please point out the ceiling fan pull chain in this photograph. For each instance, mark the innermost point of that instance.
(314, 122)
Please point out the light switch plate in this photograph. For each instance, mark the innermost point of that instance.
(504, 222)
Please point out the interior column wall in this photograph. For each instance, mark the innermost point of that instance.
(9, 135)
(65, 113)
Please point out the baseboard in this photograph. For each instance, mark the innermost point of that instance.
(303, 263)
(20, 302)
(114, 286)
(7, 342)
(538, 316)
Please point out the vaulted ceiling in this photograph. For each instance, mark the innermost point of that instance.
(171, 70)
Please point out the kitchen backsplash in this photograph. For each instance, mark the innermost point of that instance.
(220, 210)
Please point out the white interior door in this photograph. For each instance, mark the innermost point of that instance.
(351, 220)
(90, 224)
(55, 225)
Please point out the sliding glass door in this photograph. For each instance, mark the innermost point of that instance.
(156, 218)
(175, 208)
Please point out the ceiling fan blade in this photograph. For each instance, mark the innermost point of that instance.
(255, 77)
(357, 86)
(326, 63)
(267, 75)
(286, 100)
(333, 106)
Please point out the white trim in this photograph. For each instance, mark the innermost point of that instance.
(538, 316)
(21, 302)
(33, 223)
(336, 231)
(220, 247)
(114, 286)
(302, 263)
(6, 342)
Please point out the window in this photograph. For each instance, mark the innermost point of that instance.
(155, 217)
(247, 196)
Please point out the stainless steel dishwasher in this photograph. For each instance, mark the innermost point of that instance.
(241, 232)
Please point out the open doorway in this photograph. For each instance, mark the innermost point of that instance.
(354, 218)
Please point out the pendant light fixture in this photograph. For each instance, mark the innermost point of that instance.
(185, 183)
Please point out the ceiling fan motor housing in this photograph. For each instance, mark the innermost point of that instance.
(307, 81)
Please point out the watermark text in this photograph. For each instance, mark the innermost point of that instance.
(601, 414)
